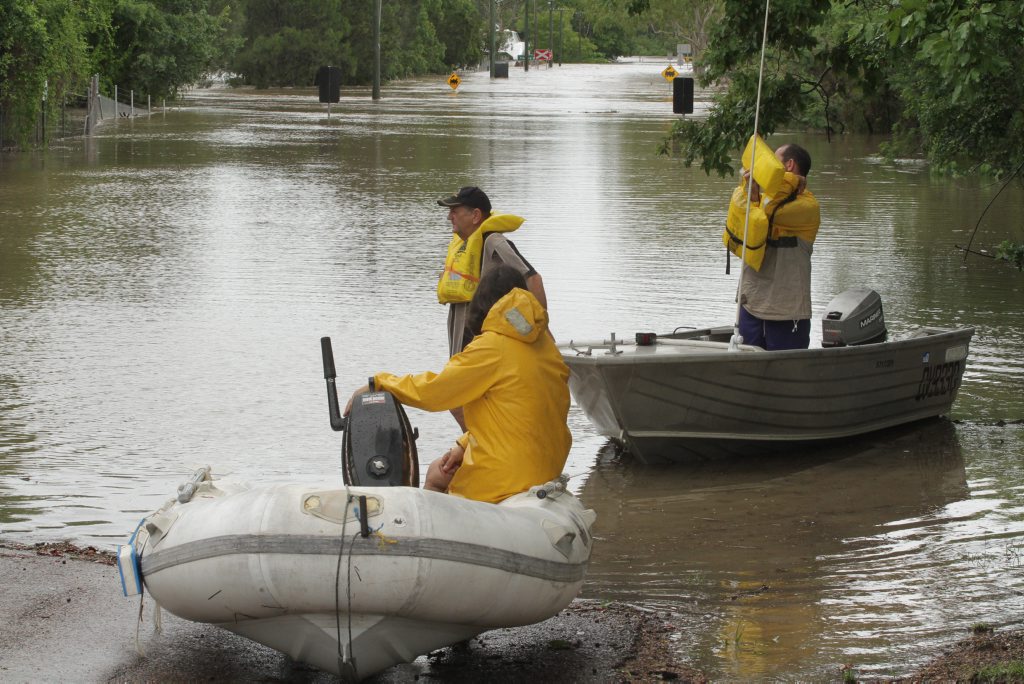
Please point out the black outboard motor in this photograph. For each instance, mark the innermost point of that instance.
(853, 317)
(379, 448)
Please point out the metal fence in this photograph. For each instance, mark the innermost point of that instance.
(101, 109)
(79, 114)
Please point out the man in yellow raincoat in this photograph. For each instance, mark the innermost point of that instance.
(776, 299)
(513, 385)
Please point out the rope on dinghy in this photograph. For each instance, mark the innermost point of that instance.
(347, 669)
(138, 626)
(157, 622)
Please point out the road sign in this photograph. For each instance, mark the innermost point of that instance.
(682, 95)
(454, 80)
(328, 78)
(542, 55)
(669, 73)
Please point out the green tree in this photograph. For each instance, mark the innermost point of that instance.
(617, 28)
(462, 28)
(413, 46)
(155, 47)
(577, 27)
(792, 67)
(285, 42)
(664, 24)
(940, 75)
(962, 93)
(44, 57)
(612, 26)
(1012, 252)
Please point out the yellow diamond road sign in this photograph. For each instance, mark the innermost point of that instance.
(669, 73)
(454, 80)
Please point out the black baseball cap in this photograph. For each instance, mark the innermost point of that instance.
(469, 196)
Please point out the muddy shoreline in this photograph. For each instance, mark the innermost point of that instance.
(62, 617)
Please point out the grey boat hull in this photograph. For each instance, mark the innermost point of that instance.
(688, 395)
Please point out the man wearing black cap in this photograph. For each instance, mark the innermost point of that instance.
(478, 244)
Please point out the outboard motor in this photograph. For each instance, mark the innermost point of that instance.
(853, 317)
(379, 448)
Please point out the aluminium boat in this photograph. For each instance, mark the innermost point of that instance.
(695, 394)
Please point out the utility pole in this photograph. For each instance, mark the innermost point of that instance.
(551, 33)
(536, 25)
(526, 40)
(493, 45)
(376, 51)
(561, 23)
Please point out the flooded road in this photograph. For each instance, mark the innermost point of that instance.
(163, 287)
(873, 554)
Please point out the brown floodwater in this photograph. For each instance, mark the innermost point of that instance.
(164, 284)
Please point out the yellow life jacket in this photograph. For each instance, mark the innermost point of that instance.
(465, 258)
(769, 173)
(768, 170)
(757, 230)
(801, 219)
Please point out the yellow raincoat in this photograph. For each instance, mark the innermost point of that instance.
(512, 384)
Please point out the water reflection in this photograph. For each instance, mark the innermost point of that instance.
(795, 564)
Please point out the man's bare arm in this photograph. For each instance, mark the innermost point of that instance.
(535, 284)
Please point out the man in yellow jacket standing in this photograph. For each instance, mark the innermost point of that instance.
(776, 299)
(513, 385)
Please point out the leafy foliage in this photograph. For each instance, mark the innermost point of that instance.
(788, 87)
(1012, 252)
(963, 98)
(940, 75)
(736, 39)
(459, 24)
(157, 46)
(44, 56)
(713, 143)
(48, 49)
(652, 27)
(286, 42)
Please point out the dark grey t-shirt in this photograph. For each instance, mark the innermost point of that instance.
(497, 250)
